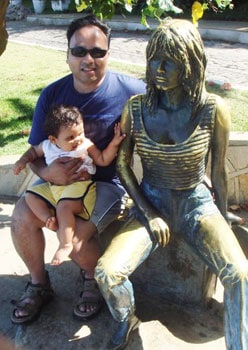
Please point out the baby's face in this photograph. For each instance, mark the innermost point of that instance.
(70, 137)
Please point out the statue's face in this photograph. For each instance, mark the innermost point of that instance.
(164, 72)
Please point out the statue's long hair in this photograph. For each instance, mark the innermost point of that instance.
(180, 41)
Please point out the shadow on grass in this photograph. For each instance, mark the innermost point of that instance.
(11, 126)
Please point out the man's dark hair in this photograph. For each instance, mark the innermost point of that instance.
(61, 116)
(85, 21)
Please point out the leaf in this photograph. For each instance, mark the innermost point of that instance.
(197, 11)
(128, 7)
(222, 4)
(168, 6)
(81, 6)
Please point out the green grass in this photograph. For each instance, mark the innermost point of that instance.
(237, 100)
(25, 70)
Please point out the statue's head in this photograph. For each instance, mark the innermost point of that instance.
(178, 40)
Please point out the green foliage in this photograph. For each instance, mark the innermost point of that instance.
(151, 8)
(103, 9)
(158, 9)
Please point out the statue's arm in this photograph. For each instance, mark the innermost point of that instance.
(157, 227)
(219, 175)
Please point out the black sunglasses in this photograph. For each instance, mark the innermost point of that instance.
(80, 51)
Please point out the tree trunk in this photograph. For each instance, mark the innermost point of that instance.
(3, 31)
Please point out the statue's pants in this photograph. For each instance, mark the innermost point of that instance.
(193, 215)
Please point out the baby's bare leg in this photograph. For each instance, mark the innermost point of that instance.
(66, 211)
(41, 210)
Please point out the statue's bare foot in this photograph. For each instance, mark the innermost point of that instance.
(62, 254)
(52, 223)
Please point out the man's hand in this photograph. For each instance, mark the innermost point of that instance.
(64, 171)
(160, 230)
(18, 167)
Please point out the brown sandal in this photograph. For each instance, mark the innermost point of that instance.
(89, 285)
(32, 301)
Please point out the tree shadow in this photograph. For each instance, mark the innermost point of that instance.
(190, 323)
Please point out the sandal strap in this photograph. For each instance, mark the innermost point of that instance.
(35, 295)
(90, 285)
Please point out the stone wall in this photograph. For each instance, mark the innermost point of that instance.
(237, 164)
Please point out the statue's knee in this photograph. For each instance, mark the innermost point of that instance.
(232, 274)
(107, 273)
(102, 271)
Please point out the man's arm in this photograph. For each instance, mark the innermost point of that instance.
(33, 153)
(62, 171)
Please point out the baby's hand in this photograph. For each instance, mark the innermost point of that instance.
(118, 136)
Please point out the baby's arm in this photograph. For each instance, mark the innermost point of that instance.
(30, 155)
(105, 157)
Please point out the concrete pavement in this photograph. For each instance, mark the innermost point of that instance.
(164, 326)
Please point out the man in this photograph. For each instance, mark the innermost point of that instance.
(100, 95)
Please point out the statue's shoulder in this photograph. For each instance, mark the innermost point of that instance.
(215, 99)
(136, 100)
(137, 97)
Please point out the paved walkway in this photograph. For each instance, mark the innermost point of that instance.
(227, 61)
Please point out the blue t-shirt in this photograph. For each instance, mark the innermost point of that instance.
(101, 109)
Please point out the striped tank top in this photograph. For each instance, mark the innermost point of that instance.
(179, 166)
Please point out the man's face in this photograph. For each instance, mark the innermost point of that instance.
(88, 71)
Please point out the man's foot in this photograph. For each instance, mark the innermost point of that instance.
(29, 306)
(121, 337)
(52, 223)
(90, 300)
(62, 254)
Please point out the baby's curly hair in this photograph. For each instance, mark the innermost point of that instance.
(61, 116)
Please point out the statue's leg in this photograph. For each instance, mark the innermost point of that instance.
(215, 242)
(128, 249)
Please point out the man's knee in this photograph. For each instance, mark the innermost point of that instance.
(18, 215)
(23, 218)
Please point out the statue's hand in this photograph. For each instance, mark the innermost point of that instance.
(160, 230)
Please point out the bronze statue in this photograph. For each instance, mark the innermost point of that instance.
(175, 126)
